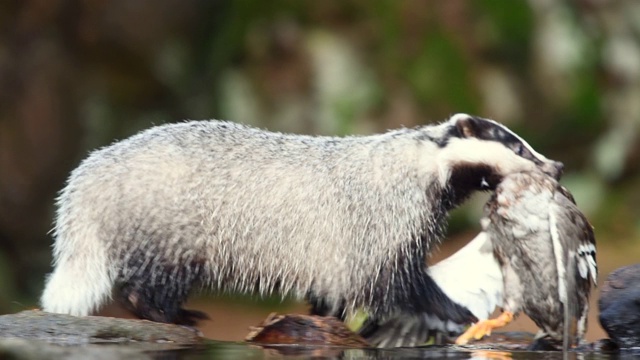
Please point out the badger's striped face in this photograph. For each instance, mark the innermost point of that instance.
(480, 152)
(489, 130)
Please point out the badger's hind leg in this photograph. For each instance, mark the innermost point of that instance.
(157, 291)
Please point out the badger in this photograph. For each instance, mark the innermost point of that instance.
(345, 222)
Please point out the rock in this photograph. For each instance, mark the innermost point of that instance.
(294, 329)
(72, 330)
(620, 306)
(29, 349)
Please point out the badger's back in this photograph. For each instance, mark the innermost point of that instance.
(237, 208)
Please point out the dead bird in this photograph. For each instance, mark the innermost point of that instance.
(526, 215)
(547, 252)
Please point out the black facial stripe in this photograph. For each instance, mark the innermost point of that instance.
(466, 178)
(491, 131)
(488, 130)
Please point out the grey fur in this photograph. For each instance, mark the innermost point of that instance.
(233, 208)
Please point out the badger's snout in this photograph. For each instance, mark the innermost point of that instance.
(554, 169)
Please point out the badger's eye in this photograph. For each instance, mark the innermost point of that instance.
(519, 150)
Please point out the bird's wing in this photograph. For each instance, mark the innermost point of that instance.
(470, 277)
(574, 246)
(564, 265)
(577, 233)
(404, 330)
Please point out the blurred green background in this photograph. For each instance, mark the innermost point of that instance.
(76, 75)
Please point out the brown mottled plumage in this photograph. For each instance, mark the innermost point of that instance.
(546, 248)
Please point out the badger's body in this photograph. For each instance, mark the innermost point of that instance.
(345, 221)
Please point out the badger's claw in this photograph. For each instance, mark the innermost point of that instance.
(484, 327)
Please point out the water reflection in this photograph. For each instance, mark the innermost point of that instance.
(230, 350)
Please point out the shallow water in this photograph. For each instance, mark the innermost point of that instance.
(232, 317)
(231, 350)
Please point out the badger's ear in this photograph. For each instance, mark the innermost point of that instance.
(467, 125)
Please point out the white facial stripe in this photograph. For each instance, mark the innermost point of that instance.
(526, 144)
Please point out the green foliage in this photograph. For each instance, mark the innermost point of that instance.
(439, 74)
(507, 26)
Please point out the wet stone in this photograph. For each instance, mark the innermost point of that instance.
(37, 334)
(620, 306)
(29, 349)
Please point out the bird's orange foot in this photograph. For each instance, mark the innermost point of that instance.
(490, 354)
(484, 327)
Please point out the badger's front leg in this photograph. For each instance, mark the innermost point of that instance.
(423, 295)
(422, 309)
(409, 289)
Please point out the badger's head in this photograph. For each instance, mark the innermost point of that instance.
(479, 152)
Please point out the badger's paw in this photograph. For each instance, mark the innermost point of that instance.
(190, 317)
